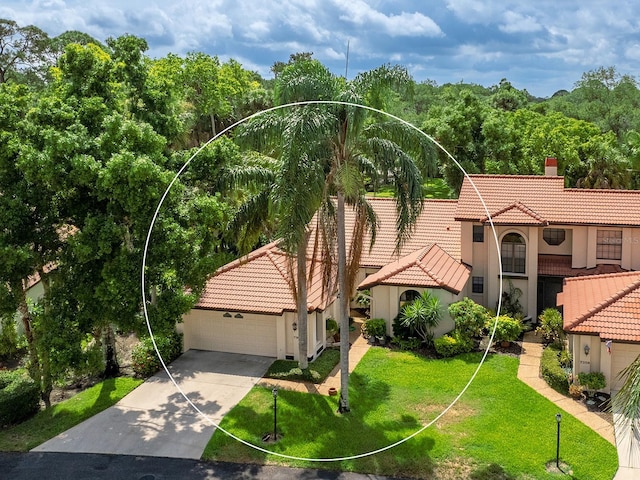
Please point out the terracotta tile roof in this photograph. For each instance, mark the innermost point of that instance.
(260, 282)
(548, 199)
(604, 305)
(516, 214)
(428, 267)
(560, 266)
(436, 224)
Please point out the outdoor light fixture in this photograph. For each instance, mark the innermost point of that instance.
(587, 349)
(275, 413)
(295, 326)
(227, 315)
(238, 315)
(558, 420)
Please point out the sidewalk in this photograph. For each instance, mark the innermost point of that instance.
(359, 347)
(626, 439)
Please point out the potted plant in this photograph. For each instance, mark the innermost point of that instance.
(592, 382)
(333, 329)
(375, 328)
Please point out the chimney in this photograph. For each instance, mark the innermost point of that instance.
(550, 167)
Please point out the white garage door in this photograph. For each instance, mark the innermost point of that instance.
(252, 334)
(622, 354)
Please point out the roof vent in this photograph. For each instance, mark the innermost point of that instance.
(550, 167)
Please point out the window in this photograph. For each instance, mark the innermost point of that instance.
(609, 245)
(408, 296)
(514, 253)
(554, 236)
(477, 284)
(478, 233)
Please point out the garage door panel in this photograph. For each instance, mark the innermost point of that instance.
(622, 355)
(254, 335)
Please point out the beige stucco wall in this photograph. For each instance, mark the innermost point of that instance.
(386, 301)
(565, 248)
(600, 360)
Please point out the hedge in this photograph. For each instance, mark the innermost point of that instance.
(552, 372)
(19, 397)
(451, 345)
(145, 361)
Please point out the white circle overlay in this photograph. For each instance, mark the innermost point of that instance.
(148, 240)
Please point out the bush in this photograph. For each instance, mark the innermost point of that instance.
(376, 327)
(575, 390)
(145, 362)
(19, 397)
(331, 326)
(400, 330)
(451, 345)
(592, 381)
(507, 329)
(410, 343)
(469, 317)
(552, 372)
(551, 326)
(9, 347)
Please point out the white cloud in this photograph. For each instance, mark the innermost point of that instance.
(404, 24)
(517, 23)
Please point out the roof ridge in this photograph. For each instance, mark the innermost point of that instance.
(426, 269)
(522, 207)
(630, 273)
(605, 303)
(248, 257)
(404, 266)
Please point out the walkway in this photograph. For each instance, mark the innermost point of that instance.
(359, 347)
(628, 450)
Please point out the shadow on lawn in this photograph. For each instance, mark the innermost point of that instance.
(311, 427)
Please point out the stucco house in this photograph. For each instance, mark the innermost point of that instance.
(548, 236)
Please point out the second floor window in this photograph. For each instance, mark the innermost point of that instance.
(478, 233)
(514, 253)
(609, 245)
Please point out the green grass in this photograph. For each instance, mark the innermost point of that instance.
(48, 423)
(501, 428)
(433, 188)
(317, 372)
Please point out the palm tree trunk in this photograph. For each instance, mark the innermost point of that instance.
(343, 305)
(301, 300)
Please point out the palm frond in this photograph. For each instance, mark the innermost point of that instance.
(627, 400)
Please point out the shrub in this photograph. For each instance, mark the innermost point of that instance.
(575, 390)
(19, 397)
(565, 358)
(451, 345)
(145, 361)
(331, 326)
(469, 317)
(423, 315)
(551, 326)
(375, 327)
(592, 381)
(507, 329)
(552, 372)
(8, 338)
(400, 330)
(410, 343)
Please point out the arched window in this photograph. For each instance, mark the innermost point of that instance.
(514, 253)
(408, 296)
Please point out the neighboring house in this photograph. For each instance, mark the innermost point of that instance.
(546, 233)
(602, 318)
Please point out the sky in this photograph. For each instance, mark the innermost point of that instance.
(543, 45)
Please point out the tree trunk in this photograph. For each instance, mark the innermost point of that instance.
(301, 301)
(343, 305)
(25, 315)
(213, 125)
(111, 368)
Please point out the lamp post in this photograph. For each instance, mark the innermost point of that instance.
(275, 413)
(558, 420)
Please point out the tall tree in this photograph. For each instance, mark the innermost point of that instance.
(351, 145)
(22, 49)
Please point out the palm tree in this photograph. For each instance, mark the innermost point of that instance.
(422, 316)
(343, 146)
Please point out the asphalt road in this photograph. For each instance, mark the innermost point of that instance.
(85, 466)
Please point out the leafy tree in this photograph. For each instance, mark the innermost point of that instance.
(551, 327)
(506, 97)
(423, 315)
(22, 49)
(457, 126)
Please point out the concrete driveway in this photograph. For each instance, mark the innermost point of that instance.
(156, 420)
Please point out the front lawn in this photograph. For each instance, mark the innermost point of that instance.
(317, 372)
(48, 423)
(501, 428)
